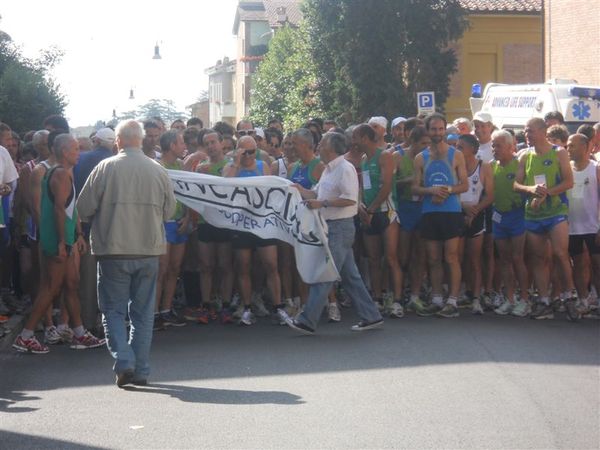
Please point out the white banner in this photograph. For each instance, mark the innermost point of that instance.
(265, 206)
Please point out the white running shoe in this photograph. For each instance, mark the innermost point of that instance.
(258, 305)
(333, 312)
(396, 310)
(247, 318)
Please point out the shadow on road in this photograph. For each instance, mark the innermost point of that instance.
(20, 440)
(8, 400)
(219, 396)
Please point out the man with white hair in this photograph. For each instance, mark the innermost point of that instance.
(123, 195)
(379, 125)
(463, 125)
(398, 131)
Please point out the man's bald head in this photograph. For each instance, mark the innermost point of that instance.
(246, 143)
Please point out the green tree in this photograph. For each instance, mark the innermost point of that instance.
(28, 93)
(163, 108)
(285, 84)
(372, 56)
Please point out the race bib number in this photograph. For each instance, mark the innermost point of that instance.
(539, 179)
(366, 178)
(496, 217)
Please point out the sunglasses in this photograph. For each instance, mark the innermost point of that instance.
(249, 152)
(246, 132)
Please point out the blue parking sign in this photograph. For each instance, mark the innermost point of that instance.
(426, 102)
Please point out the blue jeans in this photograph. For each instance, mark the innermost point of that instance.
(128, 285)
(341, 238)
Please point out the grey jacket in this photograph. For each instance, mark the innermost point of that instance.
(126, 199)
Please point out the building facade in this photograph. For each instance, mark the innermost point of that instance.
(572, 40)
(221, 92)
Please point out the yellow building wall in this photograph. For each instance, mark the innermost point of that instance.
(496, 48)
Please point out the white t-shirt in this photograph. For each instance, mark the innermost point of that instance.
(485, 152)
(8, 171)
(339, 180)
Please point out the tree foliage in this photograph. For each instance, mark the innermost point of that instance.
(163, 108)
(353, 59)
(28, 94)
(372, 56)
(285, 84)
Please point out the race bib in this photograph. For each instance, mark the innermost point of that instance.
(496, 217)
(366, 180)
(539, 179)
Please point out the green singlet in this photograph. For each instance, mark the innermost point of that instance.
(505, 197)
(373, 181)
(179, 207)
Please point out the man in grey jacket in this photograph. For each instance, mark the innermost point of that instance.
(126, 199)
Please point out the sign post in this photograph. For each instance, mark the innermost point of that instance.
(426, 102)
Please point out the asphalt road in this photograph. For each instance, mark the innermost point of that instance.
(472, 382)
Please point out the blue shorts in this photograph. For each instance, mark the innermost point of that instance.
(543, 226)
(508, 224)
(171, 232)
(409, 214)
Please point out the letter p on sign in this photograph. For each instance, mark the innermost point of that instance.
(426, 102)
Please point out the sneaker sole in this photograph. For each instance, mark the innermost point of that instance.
(28, 350)
(371, 326)
(85, 347)
(500, 313)
(174, 324)
(448, 316)
(300, 330)
(544, 317)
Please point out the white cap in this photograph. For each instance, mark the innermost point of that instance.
(106, 135)
(259, 132)
(378, 120)
(483, 117)
(398, 120)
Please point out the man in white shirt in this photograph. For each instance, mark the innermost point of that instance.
(336, 196)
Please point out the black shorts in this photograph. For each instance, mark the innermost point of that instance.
(379, 223)
(245, 240)
(210, 234)
(442, 226)
(576, 242)
(477, 226)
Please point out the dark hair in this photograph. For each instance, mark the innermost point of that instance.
(470, 140)
(273, 132)
(364, 130)
(28, 136)
(411, 123)
(57, 122)
(151, 124)
(337, 141)
(330, 122)
(520, 137)
(29, 149)
(167, 139)
(583, 137)
(336, 130)
(224, 128)
(208, 131)
(586, 130)
(318, 121)
(194, 121)
(556, 115)
(434, 116)
(559, 132)
(274, 120)
(52, 136)
(231, 138)
(4, 128)
(177, 121)
(417, 133)
(190, 136)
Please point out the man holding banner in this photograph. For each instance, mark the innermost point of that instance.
(336, 195)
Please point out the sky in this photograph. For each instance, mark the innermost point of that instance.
(108, 48)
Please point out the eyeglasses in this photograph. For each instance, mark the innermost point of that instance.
(249, 152)
(246, 132)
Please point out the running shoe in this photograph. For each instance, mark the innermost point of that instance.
(542, 311)
(88, 340)
(52, 336)
(415, 305)
(487, 301)
(203, 317)
(172, 320)
(300, 327)
(4, 319)
(290, 307)
(66, 334)
(364, 326)
(504, 309)
(282, 316)
(396, 310)
(429, 310)
(247, 318)
(258, 306)
(226, 316)
(448, 311)
(31, 345)
(333, 312)
(521, 308)
(558, 305)
(572, 310)
(497, 299)
(476, 308)
(191, 314)
(239, 310)
(465, 302)
(159, 323)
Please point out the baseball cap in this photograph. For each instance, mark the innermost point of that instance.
(259, 132)
(106, 135)
(483, 117)
(378, 120)
(398, 120)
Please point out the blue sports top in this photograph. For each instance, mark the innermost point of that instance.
(259, 171)
(438, 172)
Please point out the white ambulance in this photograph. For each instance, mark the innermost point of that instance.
(512, 105)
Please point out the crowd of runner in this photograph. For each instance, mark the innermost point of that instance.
(451, 216)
